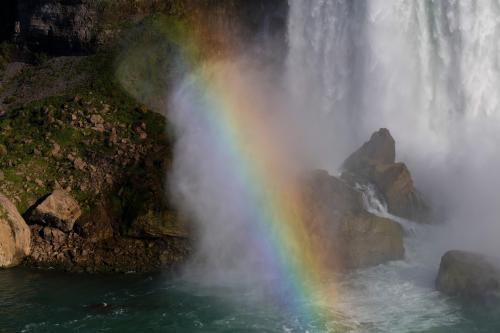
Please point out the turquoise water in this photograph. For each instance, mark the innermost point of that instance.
(47, 301)
(41, 301)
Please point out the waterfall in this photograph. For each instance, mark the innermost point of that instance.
(427, 70)
(424, 63)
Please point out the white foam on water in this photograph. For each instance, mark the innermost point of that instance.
(398, 296)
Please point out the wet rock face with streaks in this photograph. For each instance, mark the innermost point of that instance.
(337, 219)
(375, 163)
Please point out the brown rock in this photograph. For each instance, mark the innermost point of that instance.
(338, 222)
(374, 163)
(395, 182)
(54, 235)
(79, 164)
(159, 225)
(3, 150)
(59, 210)
(380, 149)
(96, 119)
(15, 235)
(369, 240)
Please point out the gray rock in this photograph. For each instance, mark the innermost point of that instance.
(470, 276)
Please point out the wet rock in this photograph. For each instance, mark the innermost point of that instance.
(368, 240)
(374, 163)
(470, 276)
(337, 218)
(15, 235)
(59, 210)
(395, 182)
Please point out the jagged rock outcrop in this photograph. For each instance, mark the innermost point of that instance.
(380, 149)
(15, 235)
(59, 210)
(336, 217)
(470, 276)
(375, 163)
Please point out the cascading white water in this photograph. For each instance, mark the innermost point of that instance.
(427, 70)
(430, 72)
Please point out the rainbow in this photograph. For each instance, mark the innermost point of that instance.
(259, 162)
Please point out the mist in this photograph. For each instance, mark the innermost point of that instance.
(429, 72)
(209, 176)
(426, 71)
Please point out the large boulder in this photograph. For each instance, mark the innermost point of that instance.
(374, 163)
(15, 235)
(368, 240)
(337, 219)
(58, 210)
(470, 276)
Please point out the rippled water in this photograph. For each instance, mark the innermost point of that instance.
(397, 297)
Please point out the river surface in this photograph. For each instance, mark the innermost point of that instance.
(396, 297)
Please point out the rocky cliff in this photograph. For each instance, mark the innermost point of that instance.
(83, 156)
(82, 26)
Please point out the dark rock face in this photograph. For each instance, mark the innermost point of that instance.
(81, 26)
(337, 218)
(7, 19)
(468, 275)
(57, 26)
(375, 163)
